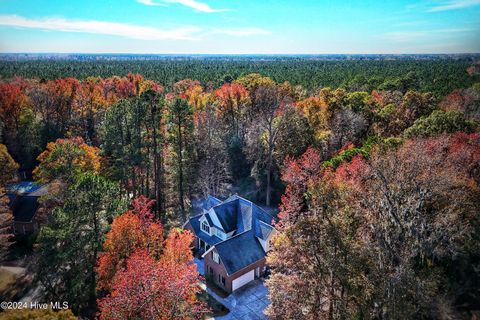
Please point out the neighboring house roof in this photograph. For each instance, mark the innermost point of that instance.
(24, 187)
(240, 251)
(249, 223)
(25, 208)
(40, 192)
(23, 199)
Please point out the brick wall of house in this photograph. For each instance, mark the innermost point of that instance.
(219, 269)
(214, 269)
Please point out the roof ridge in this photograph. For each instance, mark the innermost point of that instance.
(270, 215)
(261, 221)
(210, 196)
(241, 233)
(200, 214)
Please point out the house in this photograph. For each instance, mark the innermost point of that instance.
(233, 238)
(24, 204)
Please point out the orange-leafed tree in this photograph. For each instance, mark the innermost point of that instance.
(151, 289)
(232, 99)
(192, 92)
(63, 93)
(146, 277)
(89, 107)
(64, 159)
(12, 102)
(8, 167)
(131, 231)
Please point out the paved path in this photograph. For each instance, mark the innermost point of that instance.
(246, 303)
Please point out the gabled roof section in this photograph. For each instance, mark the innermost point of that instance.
(244, 217)
(209, 220)
(195, 223)
(210, 202)
(250, 223)
(240, 251)
(263, 230)
(227, 215)
(23, 188)
(239, 214)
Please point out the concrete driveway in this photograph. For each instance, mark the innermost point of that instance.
(247, 303)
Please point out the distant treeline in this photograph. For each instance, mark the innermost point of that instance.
(437, 75)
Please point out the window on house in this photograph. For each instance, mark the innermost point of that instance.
(216, 258)
(205, 227)
(223, 280)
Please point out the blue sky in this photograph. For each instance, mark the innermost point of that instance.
(240, 26)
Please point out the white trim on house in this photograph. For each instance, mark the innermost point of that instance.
(206, 252)
(203, 221)
(214, 217)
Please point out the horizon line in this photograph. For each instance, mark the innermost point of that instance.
(238, 54)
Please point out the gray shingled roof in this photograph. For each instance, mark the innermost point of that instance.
(248, 220)
(24, 187)
(240, 251)
(210, 202)
(227, 215)
(195, 223)
(262, 230)
(24, 199)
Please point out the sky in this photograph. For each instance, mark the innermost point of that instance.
(240, 26)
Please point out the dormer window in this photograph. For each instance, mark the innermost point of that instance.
(205, 227)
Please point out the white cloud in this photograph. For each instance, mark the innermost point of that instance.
(454, 4)
(405, 36)
(101, 27)
(149, 2)
(242, 32)
(194, 4)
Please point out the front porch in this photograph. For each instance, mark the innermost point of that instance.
(201, 247)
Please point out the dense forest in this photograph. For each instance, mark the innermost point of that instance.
(439, 76)
(372, 168)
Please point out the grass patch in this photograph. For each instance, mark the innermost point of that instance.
(217, 308)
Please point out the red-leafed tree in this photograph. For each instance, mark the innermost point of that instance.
(156, 289)
(13, 105)
(12, 102)
(391, 235)
(131, 231)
